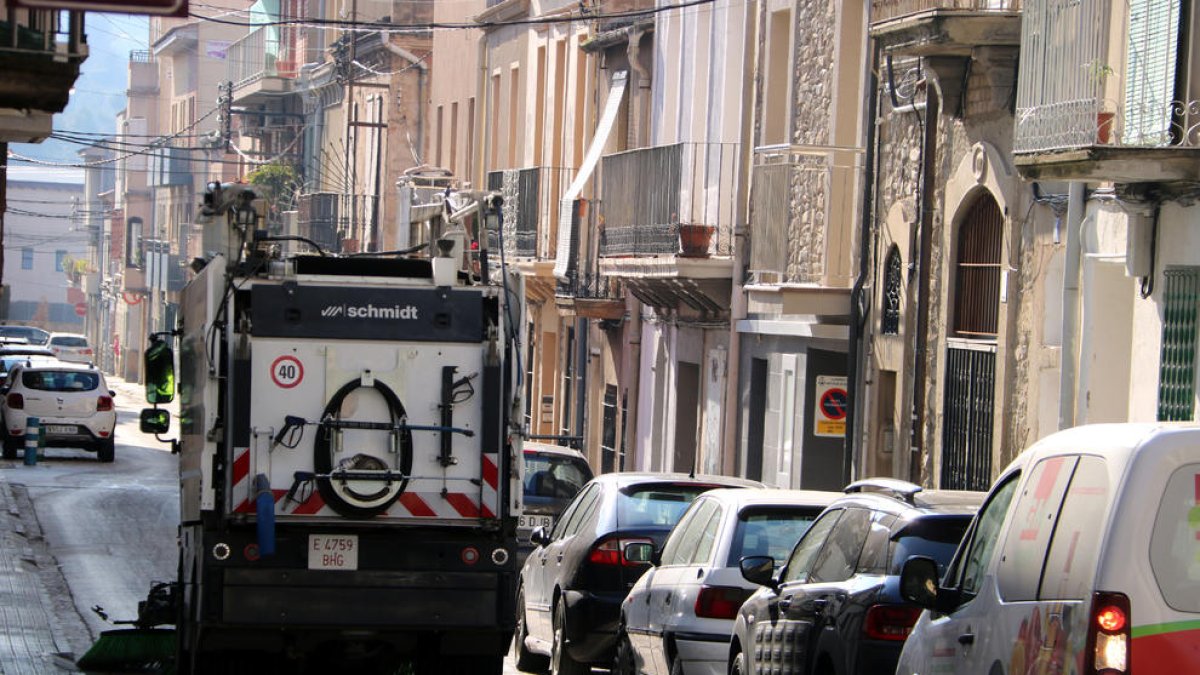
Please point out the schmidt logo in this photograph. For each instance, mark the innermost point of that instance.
(369, 311)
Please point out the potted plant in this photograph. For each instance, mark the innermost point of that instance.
(694, 239)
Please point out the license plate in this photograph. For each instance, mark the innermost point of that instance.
(332, 552)
(531, 521)
(60, 429)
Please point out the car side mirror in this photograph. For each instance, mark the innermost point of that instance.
(160, 371)
(540, 536)
(155, 421)
(759, 569)
(642, 552)
(919, 583)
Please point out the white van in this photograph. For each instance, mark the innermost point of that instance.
(1085, 558)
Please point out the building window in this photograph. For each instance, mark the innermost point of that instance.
(27, 258)
(1177, 361)
(892, 279)
(977, 266)
(60, 257)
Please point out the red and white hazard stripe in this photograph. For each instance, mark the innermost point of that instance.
(410, 504)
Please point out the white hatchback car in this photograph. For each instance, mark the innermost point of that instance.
(72, 402)
(71, 347)
(1085, 558)
(679, 616)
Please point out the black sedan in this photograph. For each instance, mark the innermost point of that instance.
(835, 607)
(572, 585)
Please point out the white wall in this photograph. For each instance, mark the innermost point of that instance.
(41, 218)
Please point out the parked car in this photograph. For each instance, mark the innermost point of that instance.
(679, 616)
(1085, 558)
(72, 402)
(835, 606)
(10, 361)
(571, 587)
(71, 347)
(554, 474)
(31, 334)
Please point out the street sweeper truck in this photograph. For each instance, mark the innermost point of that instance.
(349, 447)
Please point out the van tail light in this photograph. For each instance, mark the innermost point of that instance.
(86, 351)
(16, 402)
(611, 551)
(890, 622)
(720, 602)
(1109, 635)
(104, 403)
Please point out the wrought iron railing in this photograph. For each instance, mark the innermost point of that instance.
(1098, 74)
(884, 10)
(262, 53)
(655, 199)
(43, 32)
(530, 202)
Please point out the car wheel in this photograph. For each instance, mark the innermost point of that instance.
(526, 660)
(738, 665)
(561, 662)
(106, 450)
(624, 663)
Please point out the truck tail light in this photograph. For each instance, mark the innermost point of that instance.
(720, 602)
(104, 403)
(890, 622)
(16, 401)
(1109, 635)
(611, 551)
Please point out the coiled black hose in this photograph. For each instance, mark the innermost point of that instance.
(323, 453)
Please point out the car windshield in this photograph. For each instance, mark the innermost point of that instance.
(35, 336)
(771, 531)
(554, 476)
(659, 504)
(59, 380)
(68, 341)
(936, 538)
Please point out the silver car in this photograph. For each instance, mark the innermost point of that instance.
(679, 616)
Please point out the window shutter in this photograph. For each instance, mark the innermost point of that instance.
(1151, 58)
(1177, 369)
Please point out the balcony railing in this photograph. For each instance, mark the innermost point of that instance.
(654, 198)
(885, 10)
(1099, 74)
(262, 53)
(530, 199)
(798, 195)
(44, 32)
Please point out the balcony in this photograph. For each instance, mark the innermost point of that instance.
(530, 223)
(1106, 94)
(668, 220)
(40, 54)
(945, 27)
(261, 66)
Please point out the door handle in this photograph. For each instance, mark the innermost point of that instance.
(966, 639)
(785, 603)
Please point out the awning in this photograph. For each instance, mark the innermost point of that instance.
(567, 253)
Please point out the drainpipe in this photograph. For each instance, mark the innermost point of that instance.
(860, 300)
(638, 102)
(1070, 308)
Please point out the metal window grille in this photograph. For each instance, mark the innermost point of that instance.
(893, 278)
(977, 294)
(1177, 369)
(967, 427)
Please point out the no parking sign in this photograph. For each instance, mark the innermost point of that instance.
(832, 404)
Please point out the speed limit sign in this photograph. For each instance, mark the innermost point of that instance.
(287, 372)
